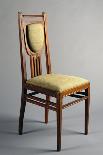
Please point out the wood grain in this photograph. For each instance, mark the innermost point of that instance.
(82, 92)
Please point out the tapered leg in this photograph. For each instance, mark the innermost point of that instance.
(47, 109)
(22, 111)
(87, 104)
(59, 122)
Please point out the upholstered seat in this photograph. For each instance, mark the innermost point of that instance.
(58, 82)
(33, 35)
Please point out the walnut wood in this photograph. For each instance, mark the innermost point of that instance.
(35, 66)
(74, 102)
(87, 104)
(69, 92)
(40, 104)
(47, 52)
(82, 92)
(53, 103)
(22, 54)
(47, 108)
(22, 110)
(41, 100)
(38, 66)
(34, 61)
(32, 66)
(59, 121)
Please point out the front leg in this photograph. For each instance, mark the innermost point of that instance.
(87, 105)
(59, 121)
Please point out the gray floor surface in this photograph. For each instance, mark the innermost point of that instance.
(39, 138)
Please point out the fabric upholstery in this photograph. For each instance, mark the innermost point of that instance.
(58, 82)
(35, 36)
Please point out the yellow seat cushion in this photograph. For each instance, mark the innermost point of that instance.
(58, 82)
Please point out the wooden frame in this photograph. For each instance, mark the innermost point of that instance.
(83, 93)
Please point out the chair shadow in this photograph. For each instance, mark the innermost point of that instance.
(52, 131)
(10, 126)
(26, 150)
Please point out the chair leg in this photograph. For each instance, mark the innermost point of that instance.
(47, 109)
(87, 105)
(59, 122)
(22, 111)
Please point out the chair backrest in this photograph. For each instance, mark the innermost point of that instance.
(33, 38)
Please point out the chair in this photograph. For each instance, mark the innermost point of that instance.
(33, 36)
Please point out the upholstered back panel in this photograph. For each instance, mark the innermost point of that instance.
(35, 36)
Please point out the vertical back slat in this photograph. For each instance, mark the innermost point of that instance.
(32, 66)
(38, 66)
(34, 61)
(35, 66)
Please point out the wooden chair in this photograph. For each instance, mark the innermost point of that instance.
(33, 38)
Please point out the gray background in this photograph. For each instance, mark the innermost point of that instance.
(76, 44)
